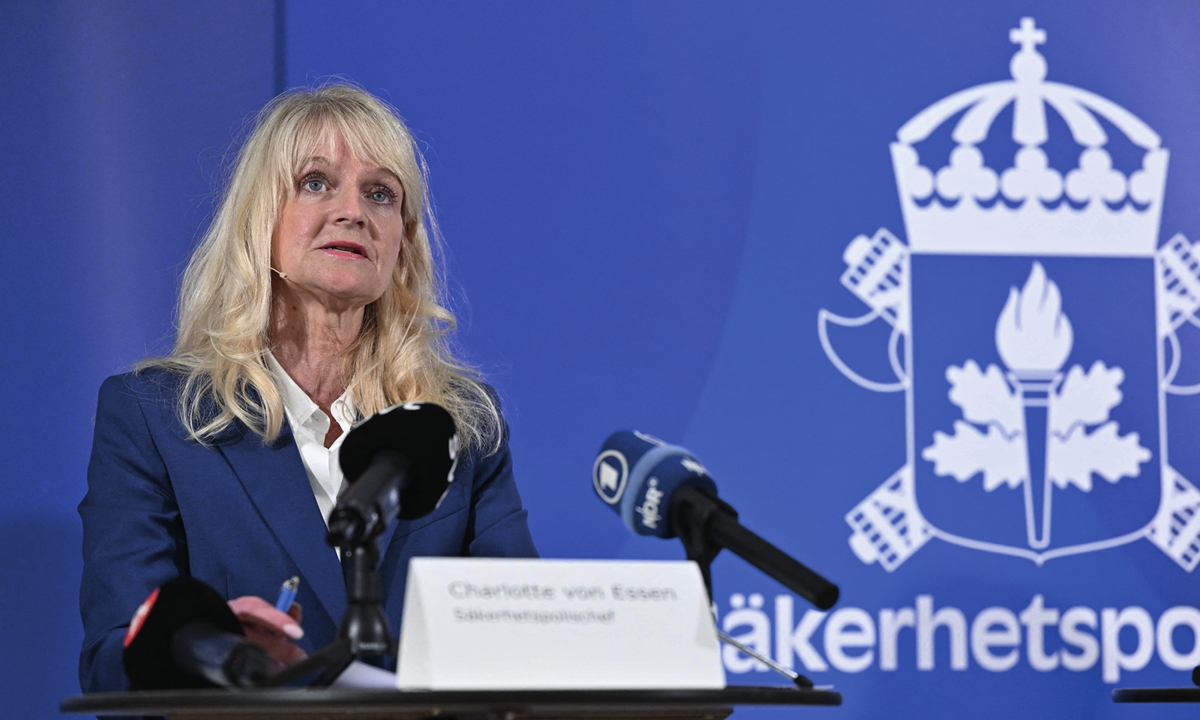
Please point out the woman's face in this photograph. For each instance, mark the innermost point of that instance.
(340, 230)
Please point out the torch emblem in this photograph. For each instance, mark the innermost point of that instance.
(1044, 429)
(1034, 326)
(1034, 338)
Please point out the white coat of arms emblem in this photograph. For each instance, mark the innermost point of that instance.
(1034, 331)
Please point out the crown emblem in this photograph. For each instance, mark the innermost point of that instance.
(967, 207)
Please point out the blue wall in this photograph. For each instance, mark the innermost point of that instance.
(116, 119)
(645, 206)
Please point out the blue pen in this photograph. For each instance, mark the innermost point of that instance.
(287, 593)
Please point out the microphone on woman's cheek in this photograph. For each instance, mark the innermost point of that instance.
(282, 275)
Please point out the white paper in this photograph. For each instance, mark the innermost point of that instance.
(361, 675)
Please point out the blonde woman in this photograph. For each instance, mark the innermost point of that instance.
(312, 301)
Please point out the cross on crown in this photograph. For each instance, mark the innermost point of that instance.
(1027, 36)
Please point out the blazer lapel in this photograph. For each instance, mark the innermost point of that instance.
(384, 541)
(277, 483)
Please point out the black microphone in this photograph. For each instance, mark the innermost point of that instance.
(185, 636)
(663, 490)
(398, 462)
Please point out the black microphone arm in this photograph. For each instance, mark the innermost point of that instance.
(202, 649)
(706, 524)
(370, 502)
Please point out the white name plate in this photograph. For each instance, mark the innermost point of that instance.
(506, 624)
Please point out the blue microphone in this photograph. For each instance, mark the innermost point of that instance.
(662, 490)
(636, 475)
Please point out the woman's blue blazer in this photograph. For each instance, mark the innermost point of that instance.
(241, 516)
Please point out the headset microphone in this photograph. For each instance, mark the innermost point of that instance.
(663, 490)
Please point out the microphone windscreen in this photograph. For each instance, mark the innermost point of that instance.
(424, 433)
(148, 660)
(636, 475)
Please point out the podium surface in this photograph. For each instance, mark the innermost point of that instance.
(502, 704)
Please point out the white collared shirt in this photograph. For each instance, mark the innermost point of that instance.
(309, 426)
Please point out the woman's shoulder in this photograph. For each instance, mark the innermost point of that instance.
(499, 441)
(148, 386)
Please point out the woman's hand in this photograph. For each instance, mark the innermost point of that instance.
(273, 630)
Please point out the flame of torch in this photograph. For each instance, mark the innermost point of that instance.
(1034, 338)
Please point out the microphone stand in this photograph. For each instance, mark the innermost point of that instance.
(691, 513)
(689, 519)
(364, 628)
(801, 681)
(363, 511)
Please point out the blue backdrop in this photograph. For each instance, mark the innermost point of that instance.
(648, 207)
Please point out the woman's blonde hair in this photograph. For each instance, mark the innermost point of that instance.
(402, 353)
